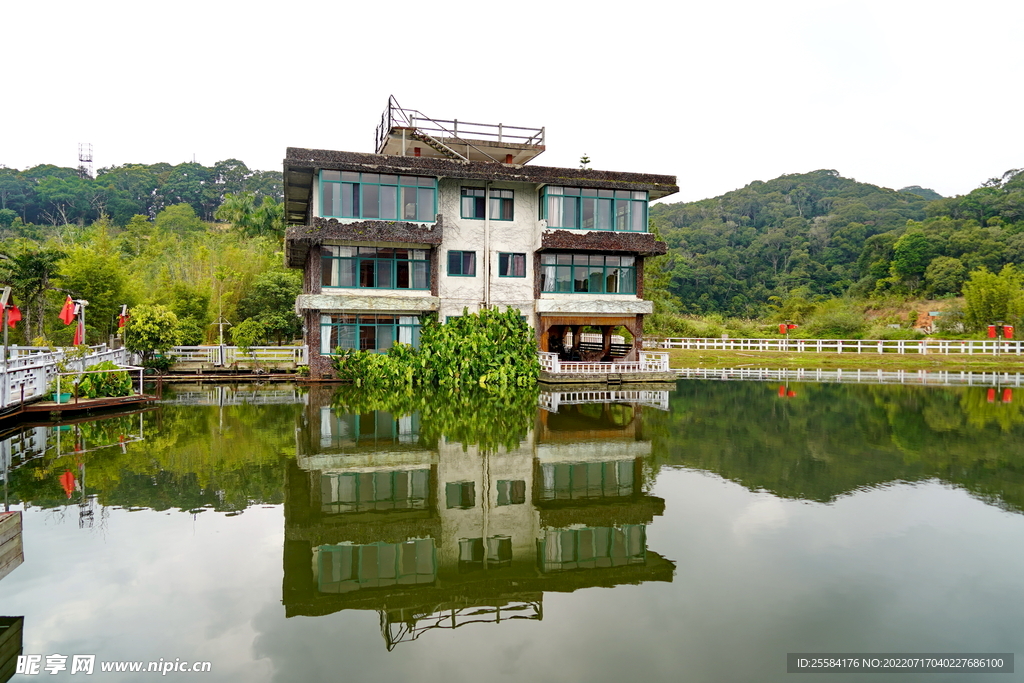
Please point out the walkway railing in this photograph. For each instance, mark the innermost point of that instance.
(227, 355)
(650, 361)
(29, 377)
(921, 377)
(551, 400)
(901, 346)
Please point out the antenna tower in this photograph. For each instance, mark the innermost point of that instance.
(85, 160)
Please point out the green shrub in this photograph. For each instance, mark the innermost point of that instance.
(489, 348)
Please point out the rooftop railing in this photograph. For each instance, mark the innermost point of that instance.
(395, 116)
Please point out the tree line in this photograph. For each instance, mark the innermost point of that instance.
(821, 235)
(185, 245)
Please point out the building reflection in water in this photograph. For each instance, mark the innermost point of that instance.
(439, 535)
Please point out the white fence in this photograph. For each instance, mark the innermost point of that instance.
(650, 361)
(551, 400)
(29, 375)
(221, 395)
(919, 377)
(228, 355)
(902, 346)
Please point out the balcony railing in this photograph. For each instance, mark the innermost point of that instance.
(395, 116)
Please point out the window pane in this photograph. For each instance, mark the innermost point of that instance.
(350, 176)
(331, 175)
(589, 212)
(371, 201)
(402, 274)
(639, 222)
(389, 180)
(455, 263)
(385, 337)
(367, 273)
(331, 199)
(367, 337)
(328, 277)
(385, 274)
(563, 279)
(503, 264)
(420, 275)
(519, 265)
(469, 263)
(628, 284)
(425, 204)
(612, 280)
(389, 202)
(409, 203)
(604, 214)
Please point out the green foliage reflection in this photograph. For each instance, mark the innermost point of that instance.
(485, 418)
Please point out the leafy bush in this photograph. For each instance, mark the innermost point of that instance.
(835, 319)
(104, 384)
(489, 348)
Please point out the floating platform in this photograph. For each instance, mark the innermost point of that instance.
(591, 378)
(86, 404)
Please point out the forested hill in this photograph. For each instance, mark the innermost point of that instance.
(829, 235)
(54, 195)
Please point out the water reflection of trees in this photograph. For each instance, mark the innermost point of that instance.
(223, 458)
(829, 440)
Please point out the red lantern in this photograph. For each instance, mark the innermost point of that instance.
(1007, 395)
(782, 328)
(790, 393)
(991, 331)
(782, 392)
(992, 395)
(792, 326)
(1007, 331)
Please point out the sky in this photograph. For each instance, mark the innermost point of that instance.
(719, 94)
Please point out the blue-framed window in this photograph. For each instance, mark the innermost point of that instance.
(376, 267)
(349, 194)
(462, 263)
(380, 490)
(511, 491)
(585, 209)
(367, 332)
(589, 273)
(575, 481)
(460, 495)
(474, 204)
(592, 548)
(344, 568)
(511, 265)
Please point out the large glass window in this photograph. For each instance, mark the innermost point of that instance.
(462, 263)
(381, 490)
(367, 332)
(586, 209)
(592, 273)
(574, 481)
(377, 267)
(592, 548)
(474, 204)
(511, 265)
(345, 568)
(348, 194)
(460, 495)
(471, 553)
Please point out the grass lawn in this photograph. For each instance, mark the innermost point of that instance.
(679, 358)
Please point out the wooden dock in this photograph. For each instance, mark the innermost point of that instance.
(81, 404)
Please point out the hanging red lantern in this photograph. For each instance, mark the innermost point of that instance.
(1007, 395)
(782, 328)
(790, 393)
(782, 392)
(1007, 331)
(991, 331)
(992, 395)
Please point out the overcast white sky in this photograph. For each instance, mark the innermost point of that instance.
(892, 92)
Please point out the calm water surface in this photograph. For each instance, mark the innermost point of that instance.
(286, 534)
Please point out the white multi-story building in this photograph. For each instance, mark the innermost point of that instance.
(447, 217)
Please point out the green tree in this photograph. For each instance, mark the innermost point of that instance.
(97, 273)
(151, 329)
(249, 333)
(944, 275)
(29, 272)
(272, 300)
(179, 219)
(989, 297)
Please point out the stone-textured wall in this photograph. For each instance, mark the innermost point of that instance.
(612, 242)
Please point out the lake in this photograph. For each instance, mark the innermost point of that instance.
(320, 533)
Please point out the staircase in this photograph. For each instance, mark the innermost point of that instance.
(437, 145)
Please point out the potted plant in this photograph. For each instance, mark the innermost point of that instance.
(62, 387)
